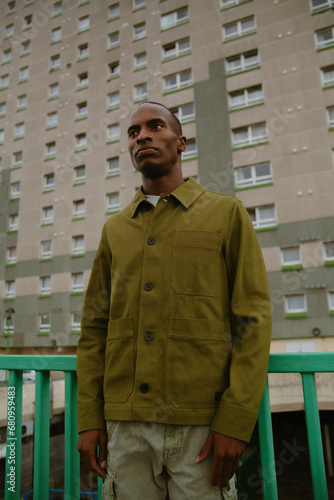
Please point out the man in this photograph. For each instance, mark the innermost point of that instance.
(173, 354)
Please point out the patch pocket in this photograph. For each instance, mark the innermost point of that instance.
(195, 264)
(119, 361)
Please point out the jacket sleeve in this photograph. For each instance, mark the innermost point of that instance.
(91, 345)
(250, 320)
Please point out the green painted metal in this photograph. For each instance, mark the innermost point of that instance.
(72, 457)
(47, 362)
(314, 437)
(42, 435)
(318, 362)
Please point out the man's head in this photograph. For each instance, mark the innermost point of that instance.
(155, 140)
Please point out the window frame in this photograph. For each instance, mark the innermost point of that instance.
(178, 85)
(177, 51)
(240, 32)
(248, 100)
(259, 223)
(176, 21)
(254, 180)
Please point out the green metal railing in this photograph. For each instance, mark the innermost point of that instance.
(305, 364)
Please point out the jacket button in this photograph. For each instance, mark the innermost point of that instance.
(148, 336)
(151, 241)
(148, 286)
(144, 388)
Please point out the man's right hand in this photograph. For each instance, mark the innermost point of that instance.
(88, 441)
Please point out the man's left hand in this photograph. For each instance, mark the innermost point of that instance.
(227, 452)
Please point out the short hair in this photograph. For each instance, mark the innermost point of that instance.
(176, 122)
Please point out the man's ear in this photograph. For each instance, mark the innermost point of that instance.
(182, 144)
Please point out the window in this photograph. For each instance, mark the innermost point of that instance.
(7, 56)
(54, 90)
(83, 51)
(254, 175)
(114, 100)
(139, 31)
(330, 116)
(114, 69)
(113, 202)
(47, 215)
(46, 249)
(19, 130)
(114, 11)
(84, 24)
(83, 80)
(0, 164)
(140, 60)
(52, 119)
(139, 4)
(17, 159)
(3, 109)
(242, 62)
(57, 8)
(25, 47)
(318, 5)
(15, 190)
(11, 255)
(174, 18)
(8, 326)
(113, 132)
(185, 113)
(178, 81)
(331, 302)
(81, 142)
(56, 35)
(24, 74)
(27, 22)
(327, 76)
(79, 174)
(55, 62)
(2, 136)
(291, 257)
(325, 38)
(82, 110)
(21, 102)
(76, 321)
(140, 92)
(239, 28)
(113, 166)
(77, 282)
(9, 30)
(49, 182)
(50, 150)
(176, 49)
(329, 252)
(230, 3)
(78, 245)
(246, 97)
(44, 323)
(295, 304)
(249, 136)
(79, 210)
(113, 40)
(10, 289)
(263, 217)
(11, 7)
(4, 81)
(45, 285)
(300, 347)
(191, 150)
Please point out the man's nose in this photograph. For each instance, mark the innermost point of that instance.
(143, 136)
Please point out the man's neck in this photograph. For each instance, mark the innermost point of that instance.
(164, 185)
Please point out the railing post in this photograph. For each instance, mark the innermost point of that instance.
(42, 435)
(72, 457)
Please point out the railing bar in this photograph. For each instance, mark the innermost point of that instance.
(42, 435)
(99, 488)
(269, 483)
(36, 362)
(314, 437)
(14, 436)
(319, 362)
(72, 457)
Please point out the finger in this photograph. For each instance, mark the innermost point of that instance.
(217, 470)
(228, 472)
(205, 451)
(103, 450)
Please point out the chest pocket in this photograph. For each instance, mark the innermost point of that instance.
(196, 260)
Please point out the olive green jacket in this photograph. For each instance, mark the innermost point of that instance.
(176, 323)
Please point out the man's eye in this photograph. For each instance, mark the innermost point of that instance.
(156, 126)
(132, 133)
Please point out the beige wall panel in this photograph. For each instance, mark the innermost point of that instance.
(313, 253)
(27, 286)
(272, 259)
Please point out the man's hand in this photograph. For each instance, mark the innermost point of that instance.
(227, 452)
(88, 441)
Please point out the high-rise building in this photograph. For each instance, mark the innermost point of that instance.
(252, 83)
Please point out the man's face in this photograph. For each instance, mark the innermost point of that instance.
(153, 142)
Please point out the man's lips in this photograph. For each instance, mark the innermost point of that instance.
(145, 151)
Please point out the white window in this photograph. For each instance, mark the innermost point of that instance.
(114, 100)
(327, 76)
(178, 81)
(83, 80)
(79, 174)
(10, 289)
(139, 31)
(329, 251)
(113, 40)
(185, 113)
(49, 182)
(2, 136)
(291, 256)
(57, 8)
(15, 190)
(54, 90)
(9, 30)
(27, 22)
(17, 159)
(263, 216)
(11, 255)
(24, 74)
(246, 97)
(114, 69)
(140, 60)
(19, 130)
(191, 150)
(26, 47)
(174, 18)
(7, 56)
(113, 132)
(44, 322)
(11, 7)
(3, 109)
(176, 49)
(114, 11)
(78, 243)
(47, 215)
(82, 110)
(295, 303)
(331, 301)
(84, 24)
(113, 202)
(325, 38)
(79, 209)
(21, 102)
(45, 285)
(230, 3)
(113, 166)
(242, 62)
(300, 347)
(330, 116)
(52, 120)
(83, 51)
(55, 62)
(140, 92)
(75, 321)
(8, 326)
(248, 136)
(139, 4)
(253, 175)
(50, 150)
(318, 5)
(77, 282)
(56, 35)
(239, 28)
(4, 81)
(46, 249)
(81, 141)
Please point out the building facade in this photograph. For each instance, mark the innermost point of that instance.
(252, 83)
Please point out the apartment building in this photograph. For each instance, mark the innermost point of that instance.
(252, 83)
